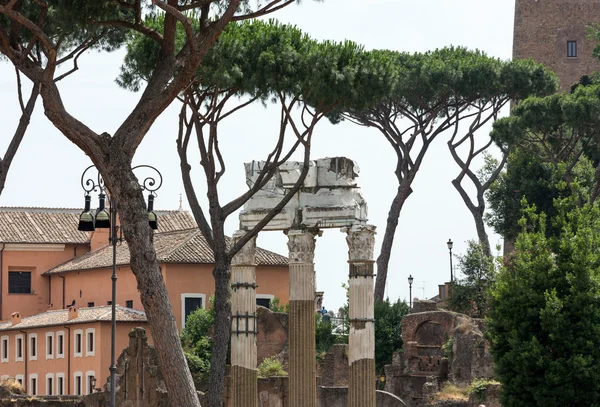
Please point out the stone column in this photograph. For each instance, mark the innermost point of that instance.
(301, 333)
(361, 349)
(243, 325)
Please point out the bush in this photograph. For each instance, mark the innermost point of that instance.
(543, 320)
(271, 367)
(276, 306)
(470, 293)
(197, 343)
(199, 368)
(388, 330)
(325, 337)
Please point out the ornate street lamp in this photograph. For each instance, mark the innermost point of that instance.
(450, 244)
(107, 219)
(410, 281)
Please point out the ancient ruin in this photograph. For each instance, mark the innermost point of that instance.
(439, 346)
(329, 198)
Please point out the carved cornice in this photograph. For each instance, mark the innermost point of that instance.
(301, 244)
(361, 242)
(247, 254)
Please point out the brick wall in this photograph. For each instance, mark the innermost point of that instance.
(542, 29)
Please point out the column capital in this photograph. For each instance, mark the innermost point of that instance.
(301, 244)
(361, 242)
(246, 255)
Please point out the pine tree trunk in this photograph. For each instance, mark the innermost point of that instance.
(383, 260)
(153, 292)
(482, 235)
(222, 327)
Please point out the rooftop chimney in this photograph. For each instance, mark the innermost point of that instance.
(16, 318)
(73, 313)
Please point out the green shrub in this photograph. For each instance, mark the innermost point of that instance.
(447, 348)
(276, 306)
(271, 367)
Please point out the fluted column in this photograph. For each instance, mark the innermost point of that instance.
(361, 349)
(301, 343)
(243, 325)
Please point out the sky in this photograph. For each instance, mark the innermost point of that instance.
(47, 169)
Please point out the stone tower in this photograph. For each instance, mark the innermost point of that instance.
(554, 32)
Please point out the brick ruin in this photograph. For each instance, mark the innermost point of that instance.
(439, 346)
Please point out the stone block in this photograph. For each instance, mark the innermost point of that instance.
(335, 367)
(329, 197)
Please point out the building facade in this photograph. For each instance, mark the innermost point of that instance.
(55, 293)
(555, 33)
(61, 352)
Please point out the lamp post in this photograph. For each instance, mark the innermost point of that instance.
(102, 219)
(450, 244)
(410, 281)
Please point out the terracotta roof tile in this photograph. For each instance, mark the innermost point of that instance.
(183, 246)
(59, 225)
(85, 315)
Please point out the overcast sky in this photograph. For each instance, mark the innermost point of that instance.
(47, 169)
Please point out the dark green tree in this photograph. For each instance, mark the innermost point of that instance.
(560, 129)
(388, 330)
(197, 342)
(544, 313)
(429, 94)
(537, 181)
(470, 293)
(36, 36)
(259, 61)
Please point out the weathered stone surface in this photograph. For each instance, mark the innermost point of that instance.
(426, 363)
(491, 397)
(424, 306)
(542, 29)
(139, 380)
(329, 197)
(49, 401)
(272, 338)
(272, 392)
(471, 357)
(335, 366)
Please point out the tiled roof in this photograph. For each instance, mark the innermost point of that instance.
(59, 225)
(183, 246)
(85, 315)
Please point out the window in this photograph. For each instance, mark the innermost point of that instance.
(190, 303)
(33, 385)
(60, 344)
(4, 378)
(19, 348)
(49, 384)
(5, 349)
(19, 282)
(91, 305)
(33, 347)
(78, 335)
(89, 375)
(49, 345)
(90, 346)
(108, 302)
(129, 303)
(60, 384)
(19, 378)
(78, 384)
(264, 300)
(571, 49)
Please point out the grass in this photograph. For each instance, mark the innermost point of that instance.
(453, 392)
(271, 367)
